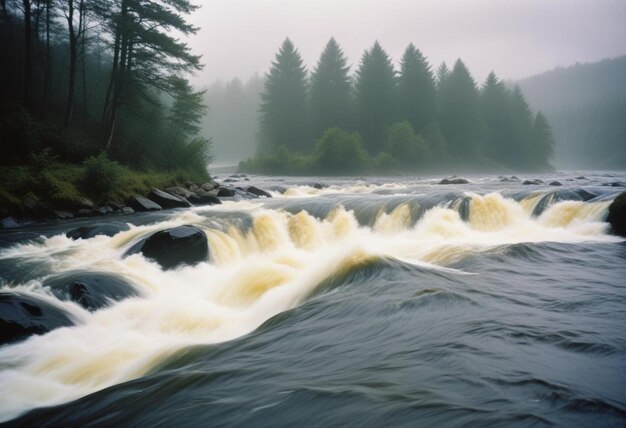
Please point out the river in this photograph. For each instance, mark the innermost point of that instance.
(374, 301)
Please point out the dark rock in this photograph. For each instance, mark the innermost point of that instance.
(9, 223)
(209, 186)
(115, 206)
(617, 215)
(582, 177)
(167, 200)
(555, 183)
(533, 182)
(91, 290)
(259, 192)
(246, 179)
(226, 192)
(173, 247)
(279, 189)
(454, 180)
(22, 316)
(139, 203)
(615, 184)
(85, 212)
(179, 191)
(106, 229)
(63, 215)
(193, 187)
(127, 210)
(204, 199)
(319, 186)
(230, 180)
(103, 210)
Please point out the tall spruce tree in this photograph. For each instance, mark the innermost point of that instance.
(417, 95)
(375, 87)
(330, 91)
(520, 148)
(494, 99)
(461, 121)
(542, 142)
(283, 102)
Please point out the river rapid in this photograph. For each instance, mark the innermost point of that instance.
(374, 301)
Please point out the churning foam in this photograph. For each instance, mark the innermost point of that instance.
(253, 275)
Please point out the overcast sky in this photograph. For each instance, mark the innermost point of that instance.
(515, 38)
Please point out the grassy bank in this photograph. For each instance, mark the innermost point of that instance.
(64, 186)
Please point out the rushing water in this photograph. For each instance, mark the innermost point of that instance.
(371, 302)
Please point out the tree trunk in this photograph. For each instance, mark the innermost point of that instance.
(69, 107)
(83, 75)
(48, 64)
(28, 56)
(116, 57)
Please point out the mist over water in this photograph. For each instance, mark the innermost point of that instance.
(368, 301)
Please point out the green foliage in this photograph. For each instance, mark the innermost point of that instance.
(409, 150)
(283, 102)
(101, 175)
(330, 104)
(339, 153)
(375, 96)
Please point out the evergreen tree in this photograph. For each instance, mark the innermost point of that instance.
(416, 91)
(409, 150)
(375, 89)
(495, 112)
(542, 142)
(443, 72)
(283, 102)
(519, 154)
(461, 121)
(330, 91)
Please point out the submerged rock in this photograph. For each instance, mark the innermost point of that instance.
(91, 290)
(555, 183)
(139, 203)
(174, 247)
(259, 192)
(533, 182)
(22, 316)
(167, 200)
(454, 180)
(319, 186)
(617, 215)
(106, 229)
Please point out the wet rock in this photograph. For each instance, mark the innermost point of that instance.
(209, 186)
(9, 223)
(106, 229)
(63, 215)
(617, 215)
(318, 186)
(104, 210)
(179, 191)
(279, 189)
(230, 180)
(22, 316)
(139, 203)
(174, 247)
(204, 199)
(91, 290)
(532, 182)
(115, 206)
(454, 180)
(259, 192)
(167, 200)
(193, 187)
(85, 212)
(226, 192)
(555, 183)
(582, 177)
(615, 184)
(127, 210)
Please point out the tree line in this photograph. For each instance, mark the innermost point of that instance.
(386, 119)
(81, 77)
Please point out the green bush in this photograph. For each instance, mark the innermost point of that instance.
(408, 149)
(101, 175)
(340, 152)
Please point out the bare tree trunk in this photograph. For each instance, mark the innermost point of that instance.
(116, 57)
(84, 77)
(28, 55)
(48, 64)
(75, 34)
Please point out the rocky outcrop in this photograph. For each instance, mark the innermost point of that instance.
(226, 192)
(22, 316)
(179, 191)
(259, 192)
(200, 197)
(617, 215)
(174, 247)
(167, 200)
(139, 203)
(91, 290)
(454, 180)
(106, 229)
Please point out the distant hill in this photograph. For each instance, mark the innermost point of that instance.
(586, 106)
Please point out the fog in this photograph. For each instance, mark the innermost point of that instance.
(514, 38)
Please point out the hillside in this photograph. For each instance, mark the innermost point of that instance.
(586, 106)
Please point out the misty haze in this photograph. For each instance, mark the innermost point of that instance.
(312, 213)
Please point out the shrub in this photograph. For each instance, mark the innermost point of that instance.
(340, 152)
(408, 149)
(101, 175)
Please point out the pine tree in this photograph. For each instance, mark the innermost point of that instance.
(520, 154)
(375, 89)
(461, 121)
(494, 99)
(330, 91)
(542, 142)
(283, 102)
(417, 95)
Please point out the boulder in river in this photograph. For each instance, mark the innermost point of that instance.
(107, 229)
(259, 192)
(454, 180)
(9, 223)
(91, 290)
(174, 247)
(179, 191)
(555, 183)
(200, 197)
(226, 192)
(167, 200)
(532, 182)
(139, 203)
(617, 214)
(22, 316)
